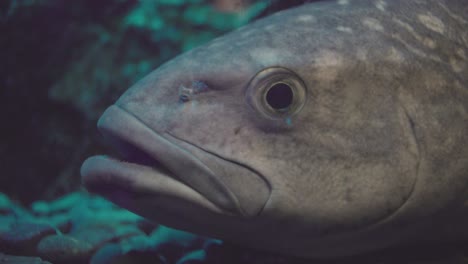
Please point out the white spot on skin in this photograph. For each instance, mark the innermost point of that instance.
(343, 2)
(270, 28)
(461, 53)
(460, 19)
(381, 5)
(404, 25)
(428, 42)
(465, 39)
(305, 18)
(461, 109)
(395, 55)
(266, 56)
(457, 65)
(433, 23)
(246, 33)
(372, 23)
(344, 29)
(215, 43)
(329, 64)
(414, 50)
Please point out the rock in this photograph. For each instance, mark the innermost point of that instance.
(165, 235)
(172, 244)
(5, 223)
(64, 248)
(5, 204)
(62, 204)
(130, 258)
(113, 253)
(62, 221)
(135, 243)
(40, 208)
(164, 244)
(81, 243)
(98, 210)
(109, 253)
(194, 257)
(81, 228)
(22, 237)
(4, 259)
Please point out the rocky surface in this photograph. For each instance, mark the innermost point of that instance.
(4, 259)
(81, 228)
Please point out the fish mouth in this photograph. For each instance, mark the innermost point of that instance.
(153, 165)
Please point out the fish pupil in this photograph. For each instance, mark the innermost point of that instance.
(279, 96)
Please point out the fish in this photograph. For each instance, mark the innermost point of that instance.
(331, 129)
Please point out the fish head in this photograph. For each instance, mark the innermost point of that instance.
(284, 130)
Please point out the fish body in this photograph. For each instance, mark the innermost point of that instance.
(326, 130)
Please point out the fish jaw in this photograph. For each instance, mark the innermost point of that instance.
(157, 168)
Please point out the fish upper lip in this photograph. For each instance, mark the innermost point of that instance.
(148, 148)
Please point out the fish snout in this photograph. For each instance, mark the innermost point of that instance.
(155, 163)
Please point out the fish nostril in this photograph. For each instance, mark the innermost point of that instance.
(196, 87)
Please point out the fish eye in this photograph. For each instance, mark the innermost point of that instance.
(276, 93)
(279, 96)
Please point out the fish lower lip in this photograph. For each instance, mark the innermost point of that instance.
(151, 154)
(127, 183)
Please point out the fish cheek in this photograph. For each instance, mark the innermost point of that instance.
(361, 162)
